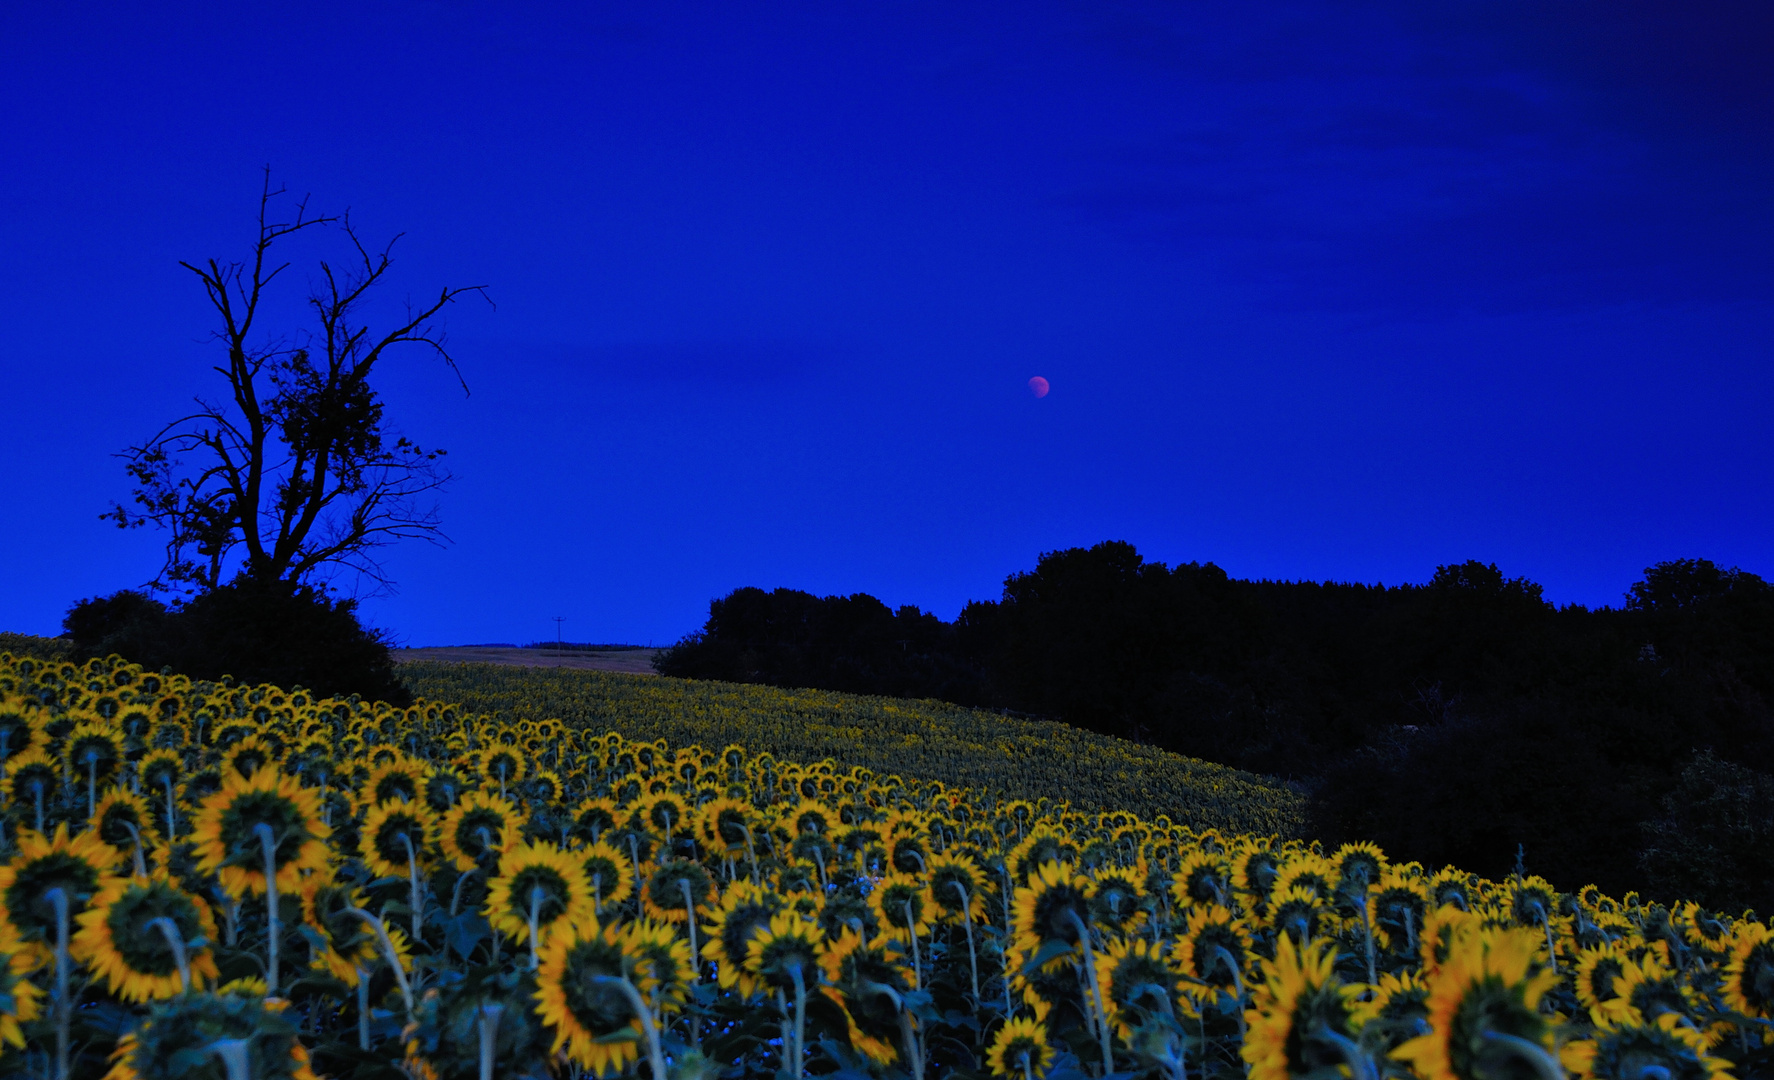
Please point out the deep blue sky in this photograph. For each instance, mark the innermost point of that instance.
(1324, 290)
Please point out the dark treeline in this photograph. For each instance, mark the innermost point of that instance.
(1461, 721)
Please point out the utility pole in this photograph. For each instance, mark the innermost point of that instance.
(558, 644)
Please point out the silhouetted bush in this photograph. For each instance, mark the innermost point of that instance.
(1714, 841)
(276, 632)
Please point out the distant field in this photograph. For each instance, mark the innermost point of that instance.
(630, 661)
(1003, 756)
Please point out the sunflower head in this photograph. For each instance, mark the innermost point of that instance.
(745, 912)
(397, 837)
(481, 826)
(1489, 986)
(579, 996)
(1214, 947)
(1301, 1014)
(1137, 980)
(1631, 1048)
(1118, 900)
(1020, 1049)
(662, 957)
(1053, 906)
(43, 865)
(673, 890)
(959, 888)
(122, 940)
(1749, 978)
(123, 819)
(903, 905)
(538, 881)
(786, 952)
(1598, 974)
(175, 1041)
(228, 837)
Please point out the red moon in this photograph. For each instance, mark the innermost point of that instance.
(1038, 386)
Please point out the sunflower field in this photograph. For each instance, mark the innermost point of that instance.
(211, 881)
(998, 756)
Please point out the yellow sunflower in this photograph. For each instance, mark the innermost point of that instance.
(538, 886)
(227, 840)
(1749, 977)
(786, 951)
(1052, 906)
(663, 891)
(1484, 1008)
(869, 983)
(1598, 974)
(902, 906)
(388, 831)
(609, 872)
(33, 779)
(959, 888)
(1631, 1048)
(247, 756)
(592, 1019)
(1302, 1018)
(1202, 880)
(1214, 949)
(399, 779)
(18, 995)
(1125, 974)
(664, 957)
(118, 812)
(744, 912)
(1648, 987)
(1020, 1049)
(74, 865)
(350, 945)
(120, 941)
(503, 765)
(480, 826)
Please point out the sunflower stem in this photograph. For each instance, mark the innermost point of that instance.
(1224, 956)
(1367, 934)
(37, 791)
(176, 942)
(800, 1050)
(64, 1013)
(140, 867)
(233, 1053)
(171, 832)
(363, 1009)
(487, 1020)
(911, 930)
(400, 975)
(634, 860)
(1545, 1066)
(910, 1039)
(535, 915)
(750, 851)
(690, 920)
(639, 1005)
(413, 879)
(967, 925)
(1360, 1066)
(92, 782)
(268, 842)
(1096, 991)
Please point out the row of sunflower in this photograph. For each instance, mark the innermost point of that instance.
(241, 882)
(1010, 756)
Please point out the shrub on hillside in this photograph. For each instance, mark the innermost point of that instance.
(258, 632)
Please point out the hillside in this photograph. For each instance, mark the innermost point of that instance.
(1001, 755)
